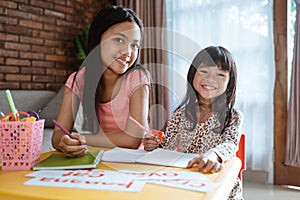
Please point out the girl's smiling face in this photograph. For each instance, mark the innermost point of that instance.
(210, 81)
(120, 46)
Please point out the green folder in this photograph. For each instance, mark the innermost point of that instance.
(60, 161)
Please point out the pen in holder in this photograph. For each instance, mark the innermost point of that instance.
(21, 144)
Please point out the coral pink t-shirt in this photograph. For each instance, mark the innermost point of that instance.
(113, 114)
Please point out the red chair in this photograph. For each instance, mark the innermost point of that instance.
(241, 154)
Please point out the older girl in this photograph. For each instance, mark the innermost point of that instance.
(110, 86)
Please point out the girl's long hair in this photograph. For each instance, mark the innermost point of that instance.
(93, 64)
(223, 104)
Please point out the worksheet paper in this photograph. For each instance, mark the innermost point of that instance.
(156, 157)
(85, 179)
(194, 185)
(89, 175)
(122, 155)
(124, 175)
(111, 185)
(123, 180)
(166, 158)
(164, 175)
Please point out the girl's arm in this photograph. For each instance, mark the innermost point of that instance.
(230, 138)
(171, 137)
(60, 140)
(212, 160)
(132, 135)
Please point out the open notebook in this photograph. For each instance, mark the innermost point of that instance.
(156, 157)
(60, 161)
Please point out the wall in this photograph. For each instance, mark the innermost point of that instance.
(36, 41)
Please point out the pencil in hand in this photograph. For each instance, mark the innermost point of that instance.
(140, 125)
(63, 129)
(158, 134)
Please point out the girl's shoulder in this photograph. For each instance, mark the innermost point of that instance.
(179, 113)
(75, 81)
(134, 79)
(139, 70)
(179, 110)
(237, 114)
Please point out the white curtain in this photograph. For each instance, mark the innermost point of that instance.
(244, 27)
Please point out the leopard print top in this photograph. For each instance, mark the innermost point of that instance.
(204, 137)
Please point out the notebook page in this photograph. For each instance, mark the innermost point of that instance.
(183, 160)
(122, 155)
(160, 157)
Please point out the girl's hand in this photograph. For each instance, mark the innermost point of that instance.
(150, 142)
(73, 147)
(207, 162)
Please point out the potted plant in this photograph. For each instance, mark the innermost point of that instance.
(80, 43)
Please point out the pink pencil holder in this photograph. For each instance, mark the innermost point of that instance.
(21, 144)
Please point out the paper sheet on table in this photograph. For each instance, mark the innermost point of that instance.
(122, 155)
(166, 158)
(121, 186)
(90, 175)
(164, 175)
(194, 185)
(159, 156)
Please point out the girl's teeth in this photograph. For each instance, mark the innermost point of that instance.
(122, 61)
(208, 87)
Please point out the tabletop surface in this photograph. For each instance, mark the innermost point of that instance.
(12, 185)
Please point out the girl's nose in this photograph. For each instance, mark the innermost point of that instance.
(208, 75)
(126, 50)
(209, 78)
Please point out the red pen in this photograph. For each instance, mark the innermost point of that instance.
(63, 129)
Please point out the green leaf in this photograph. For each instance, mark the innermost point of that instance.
(80, 43)
(79, 51)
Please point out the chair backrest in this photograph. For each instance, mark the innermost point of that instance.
(241, 153)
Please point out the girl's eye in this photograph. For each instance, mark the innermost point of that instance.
(136, 46)
(119, 40)
(221, 75)
(202, 71)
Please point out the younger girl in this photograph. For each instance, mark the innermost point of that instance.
(110, 86)
(206, 122)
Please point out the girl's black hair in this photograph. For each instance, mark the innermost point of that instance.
(223, 105)
(93, 64)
